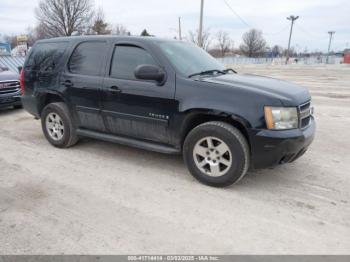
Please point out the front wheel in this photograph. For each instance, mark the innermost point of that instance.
(216, 153)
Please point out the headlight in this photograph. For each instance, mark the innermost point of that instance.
(280, 118)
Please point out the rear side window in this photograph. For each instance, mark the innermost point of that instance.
(46, 56)
(126, 59)
(88, 58)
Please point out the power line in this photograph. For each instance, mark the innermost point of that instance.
(311, 35)
(236, 14)
(278, 32)
(307, 32)
(250, 26)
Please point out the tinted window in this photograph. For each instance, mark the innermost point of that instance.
(88, 58)
(46, 56)
(126, 59)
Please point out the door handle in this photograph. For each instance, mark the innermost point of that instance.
(67, 83)
(115, 89)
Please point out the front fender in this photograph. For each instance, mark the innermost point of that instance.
(240, 105)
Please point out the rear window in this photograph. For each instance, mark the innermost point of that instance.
(88, 58)
(46, 56)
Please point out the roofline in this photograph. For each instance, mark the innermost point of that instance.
(94, 37)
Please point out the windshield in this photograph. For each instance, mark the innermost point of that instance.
(189, 59)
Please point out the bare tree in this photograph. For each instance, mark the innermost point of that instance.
(253, 43)
(37, 32)
(277, 51)
(63, 17)
(120, 29)
(99, 25)
(206, 38)
(225, 43)
(32, 36)
(292, 52)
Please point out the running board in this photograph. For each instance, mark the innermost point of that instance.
(129, 142)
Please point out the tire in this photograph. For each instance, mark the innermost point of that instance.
(57, 125)
(18, 107)
(216, 154)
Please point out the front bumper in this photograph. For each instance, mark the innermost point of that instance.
(10, 100)
(270, 148)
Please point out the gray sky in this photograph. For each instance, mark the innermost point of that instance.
(160, 18)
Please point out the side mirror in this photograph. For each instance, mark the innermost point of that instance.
(150, 72)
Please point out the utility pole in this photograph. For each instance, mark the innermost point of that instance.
(180, 35)
(331, 33)
(200, 31)
(292, 18)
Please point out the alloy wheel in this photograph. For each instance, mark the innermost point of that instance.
(212, 156)
(54, 126)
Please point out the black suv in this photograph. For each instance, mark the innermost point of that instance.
(10, 93)
(166, 96)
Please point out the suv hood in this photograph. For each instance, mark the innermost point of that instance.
(8, 76)
(290, 94)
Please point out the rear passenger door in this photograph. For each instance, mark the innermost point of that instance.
(83, 79)
(132, 107)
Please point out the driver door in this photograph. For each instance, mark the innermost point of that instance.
(136, 108)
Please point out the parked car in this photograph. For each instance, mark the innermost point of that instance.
(10, 92)
(166, 96)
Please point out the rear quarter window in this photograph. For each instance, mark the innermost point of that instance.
(46, 56)
(88, 58)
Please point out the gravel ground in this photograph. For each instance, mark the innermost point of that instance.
(101, 198)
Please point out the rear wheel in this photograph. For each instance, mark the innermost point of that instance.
(216, 154)
(57, 125)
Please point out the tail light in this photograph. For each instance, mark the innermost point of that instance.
(21, 81)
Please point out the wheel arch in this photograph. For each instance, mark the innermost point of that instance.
(196, 117)
(47, 98)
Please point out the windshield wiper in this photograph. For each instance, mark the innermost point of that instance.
(208, 72)
(230, 70)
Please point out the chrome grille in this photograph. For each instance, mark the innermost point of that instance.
(305, 113)
(7, 87)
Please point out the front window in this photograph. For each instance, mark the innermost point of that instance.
(189, 59)
(126, 59)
